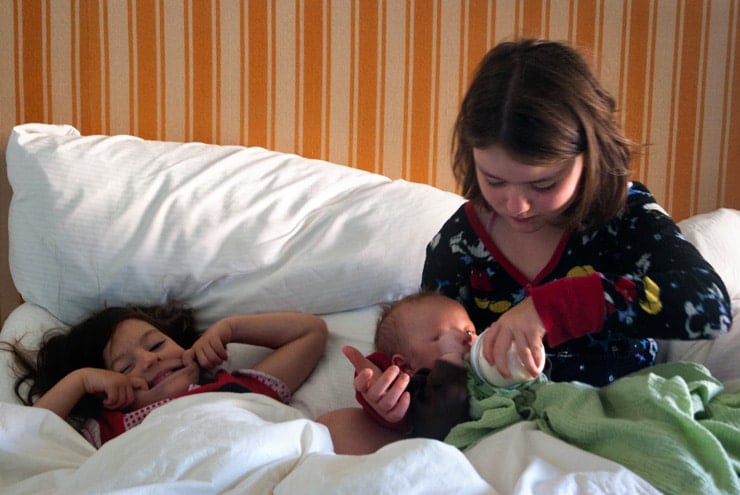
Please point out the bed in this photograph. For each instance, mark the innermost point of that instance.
(116, 219)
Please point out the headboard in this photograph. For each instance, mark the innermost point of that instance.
(372, 84)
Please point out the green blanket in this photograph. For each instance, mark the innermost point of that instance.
(672, 424)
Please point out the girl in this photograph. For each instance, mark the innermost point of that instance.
(108, 372)
(555, 244)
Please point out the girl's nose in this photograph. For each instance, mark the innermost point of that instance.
(148, 358)
(517, 202)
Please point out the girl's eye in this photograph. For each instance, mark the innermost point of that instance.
(544, 187)
(156, 346)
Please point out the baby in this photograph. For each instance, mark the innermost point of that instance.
(427, 339)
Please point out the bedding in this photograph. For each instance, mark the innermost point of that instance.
(114, 219)
(670, 423)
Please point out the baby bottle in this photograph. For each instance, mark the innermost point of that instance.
(488, 372)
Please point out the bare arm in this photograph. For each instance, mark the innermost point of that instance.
(116, 389)
(298, 340)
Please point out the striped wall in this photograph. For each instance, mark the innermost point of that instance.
(372, 84)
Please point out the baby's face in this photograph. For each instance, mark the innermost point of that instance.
(137, 349)
(436, 326)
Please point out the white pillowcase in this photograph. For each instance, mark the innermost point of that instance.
(717, 237)
(116, 219)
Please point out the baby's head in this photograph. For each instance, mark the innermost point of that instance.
(415, 333)
(418, 329)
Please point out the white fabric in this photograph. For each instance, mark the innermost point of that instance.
(245, 443)
(229, 230)
(226, 229)
(329, 387)
(717, 236)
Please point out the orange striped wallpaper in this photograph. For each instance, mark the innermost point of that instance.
(373, 84)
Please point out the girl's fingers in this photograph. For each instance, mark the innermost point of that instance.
(500, 342)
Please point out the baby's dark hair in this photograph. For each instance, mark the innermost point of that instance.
(63, 351)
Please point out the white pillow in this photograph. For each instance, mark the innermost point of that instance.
(717, 237)
(116, 219)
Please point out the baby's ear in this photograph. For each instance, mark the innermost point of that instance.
(403, 363)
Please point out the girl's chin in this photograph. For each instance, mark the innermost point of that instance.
(527, 225)
(166, 389)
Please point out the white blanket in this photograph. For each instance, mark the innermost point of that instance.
(245, 443)
(110, 220)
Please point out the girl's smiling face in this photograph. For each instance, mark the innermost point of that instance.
(151, 360)
(526, 197)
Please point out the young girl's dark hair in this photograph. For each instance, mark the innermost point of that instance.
(62, 352)
(539, 101)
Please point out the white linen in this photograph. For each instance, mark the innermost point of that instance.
(117, 219)
(329, 387)
(230, 443)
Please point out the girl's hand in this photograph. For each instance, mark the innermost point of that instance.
(116, 389)
(384, 391)
(210, 349)
(520, 324)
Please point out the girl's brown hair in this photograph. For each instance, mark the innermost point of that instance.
(62, 351)
(540, 101)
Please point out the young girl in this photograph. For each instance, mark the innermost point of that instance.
(108, 372)
(555, 244)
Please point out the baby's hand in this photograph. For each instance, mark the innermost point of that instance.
(116, 389)
(210, 349)
(384, 391)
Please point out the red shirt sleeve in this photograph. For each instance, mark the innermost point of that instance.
(382, 361)
(570, 307)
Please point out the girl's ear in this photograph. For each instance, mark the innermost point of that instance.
(403, 363)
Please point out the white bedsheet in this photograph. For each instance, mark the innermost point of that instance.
(245, 443)
(86, 226)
